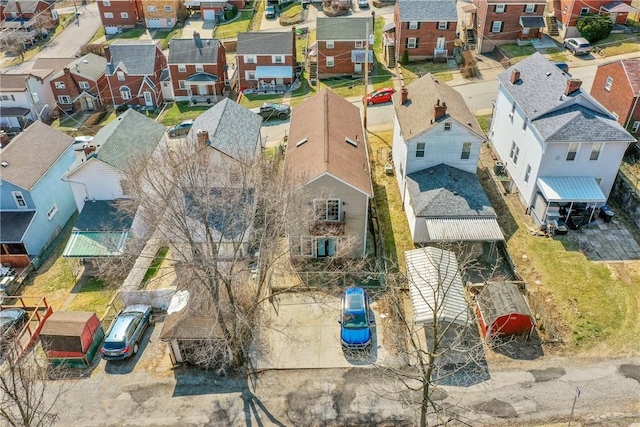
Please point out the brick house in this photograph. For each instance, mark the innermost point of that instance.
(496, 22)
(119, 14)
(342, 43)
(424, 29)
(616, 86)
(161, 13)
(134, 69)
(567, 13)
(198, 68)
(81, 85)
(266, 61)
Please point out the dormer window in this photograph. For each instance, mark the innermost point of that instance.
(500, 8)
(182, 68)
(60, 85)
(120, 75)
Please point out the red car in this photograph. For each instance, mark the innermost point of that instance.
(380, 96)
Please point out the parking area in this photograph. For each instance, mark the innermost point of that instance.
(606, 241)
(301, 331)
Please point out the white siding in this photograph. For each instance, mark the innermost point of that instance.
(399, 154)
(95, 180)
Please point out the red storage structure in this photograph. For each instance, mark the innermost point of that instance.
(502, 311)
(72, 335)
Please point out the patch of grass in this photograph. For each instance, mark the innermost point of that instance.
(415, 70)
(179, 111)
(555, 54)
(517, 53)
(132, 33)
(617, 44)
(304, 42)
(231, 29)
(100, 33)
(68, 122)
(94, 296)
(165, 36)
(303, 92)
(155, 265)
(484, 122)
(253, 100)
(344, 86)
(291, 10)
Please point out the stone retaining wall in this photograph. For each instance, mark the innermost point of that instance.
(626, 196)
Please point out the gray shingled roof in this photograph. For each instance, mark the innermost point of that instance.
(427, 10)
(14, 225)
(131, 136)
(444, 191)
(556, 116)
(342, 28)
(138, 57)
(232, 129)
(26, 6)
(56, 64)
(276, 43)
(13, 82)
(102, 215)
(32, 153)
(90, 66)
(188, 51)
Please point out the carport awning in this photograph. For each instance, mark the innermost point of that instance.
(357, 56)
(96, 244)
(583, 189)
(469, 8)
(464, 229)
(199, 78)
(388, 27)
(619, 7)
(274, 72)
(532, 22)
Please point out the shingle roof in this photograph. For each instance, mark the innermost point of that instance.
(130, 137)
(427, 10)
(632, 69)
(26, 6)
(232, 129)
(557, 117)
(276, 43)
(415, 117)
(325, 121)
(342, 28)
(14, 225)
(56, 64)
(32, 153)
(90, 66)
(102, 215)
(444, 191)
(138, 57)
(189, 51)
(13, 82)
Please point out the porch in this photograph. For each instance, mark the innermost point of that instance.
(14, 228)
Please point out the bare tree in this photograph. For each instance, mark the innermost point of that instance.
(42, 23)
(14, 43)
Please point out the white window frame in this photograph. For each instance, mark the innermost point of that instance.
(125, 92)
(124, 15)
(108, 15)
(151, 9)
(530, 8)
(250, 59)
(277, 59)
(182, 68)
(182, 85)
(329, 44)
(608, 83)
(106, 3)
(121, 76)
(499, 27)
(596, 151)
(52, 212)
(447, 126)
(330, 61)
(527, 174)
(442, 25)
(359, 44)
(199, 68)
(514, 153)
(21, 202)
(500, 8)
(320, 205)
(84, 85)
(466, 151)
(636, 126)
(585, 11)
(412, 43)
(420, 149)
(60, 85)
(524, 126)
(250, 75)
(168, 8)
(64, 99)
(572, 154)
(413, 25)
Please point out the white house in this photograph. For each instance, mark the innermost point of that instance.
(25, 98)
(559, 145)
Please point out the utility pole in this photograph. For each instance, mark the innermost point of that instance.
(75, 6)
(366, 75)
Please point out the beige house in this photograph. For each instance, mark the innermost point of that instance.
(328, 157)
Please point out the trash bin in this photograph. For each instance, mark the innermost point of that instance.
(498, 168)
(606, 213)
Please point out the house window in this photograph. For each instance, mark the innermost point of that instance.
(168, 8)
(527, 174)
(359, 44)
(199, 68)
(52, 212)
(443, 25)
(515, 151)
(83, 85)
(496, 26)
(584, 11)
(182, 68)
(524, 126)
(60, 85)
(595, 151)
(414, 25)
(447, 126)
(573, 151)
(635, 127)
(108, 15)
(513, 110)
(124, 15)
(106, 3)
(327, 209)
(329, 44)
(306, 246)
(181, 84)
(250, 75)
(500, 8)
(19, 199)
(249, 59)
(330, 61)
(125, 92)
(420, 149)
(608, 84)
(120, 75)
(466, 151)
(151, 8)
(64, 99)
(530, 8)
(412, 43)
(277, 59)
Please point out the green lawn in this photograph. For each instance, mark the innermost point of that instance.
(231, 29)
(517, 53)
(414, 70)
(132, 33)
(100, 33)
(617, 44)
(179, 111)
(556, 54)
(484, 122)
(291, 10)
(94, 296)
(165, 36)
(156, 263)
(68, 122)
(301, 43)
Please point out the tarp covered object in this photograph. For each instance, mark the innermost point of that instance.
(68, 334)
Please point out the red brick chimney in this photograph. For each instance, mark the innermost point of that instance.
(439, 109)
(107, 53)
(515, 76)
(203, 137)
(405, 95)
(572, 86)
(293, 34)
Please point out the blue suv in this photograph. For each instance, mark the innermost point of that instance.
(126, 331)
(355, 320)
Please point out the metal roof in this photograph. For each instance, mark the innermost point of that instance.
(436, 286)
(532, 21)
(96, 244)
(501, 299)
(274, 71)
(570, 189)
(463, 229)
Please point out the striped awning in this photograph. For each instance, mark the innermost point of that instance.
(96, 244)
(274, 72)
(566, 189)
(463, 229)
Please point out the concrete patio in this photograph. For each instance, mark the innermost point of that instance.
(602, 241)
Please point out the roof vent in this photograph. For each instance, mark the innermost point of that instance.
(351, 141)
(84, 61)
(302, 141)
(548, 74)
(4, 164)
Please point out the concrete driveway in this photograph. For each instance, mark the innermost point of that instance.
(195, 23)
(302, 332)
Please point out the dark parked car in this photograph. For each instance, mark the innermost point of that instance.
(11, 321)
(270, 12)
(379, 96)
(181, 129)
(126, 331)
(355, 320)
(270, 111)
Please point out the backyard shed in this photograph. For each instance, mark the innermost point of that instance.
(72, 336)
(502, 311)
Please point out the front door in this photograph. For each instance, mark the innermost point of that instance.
(440, 43)
(202, 90)
(90, 104)
(148, 99)
(357, 68)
